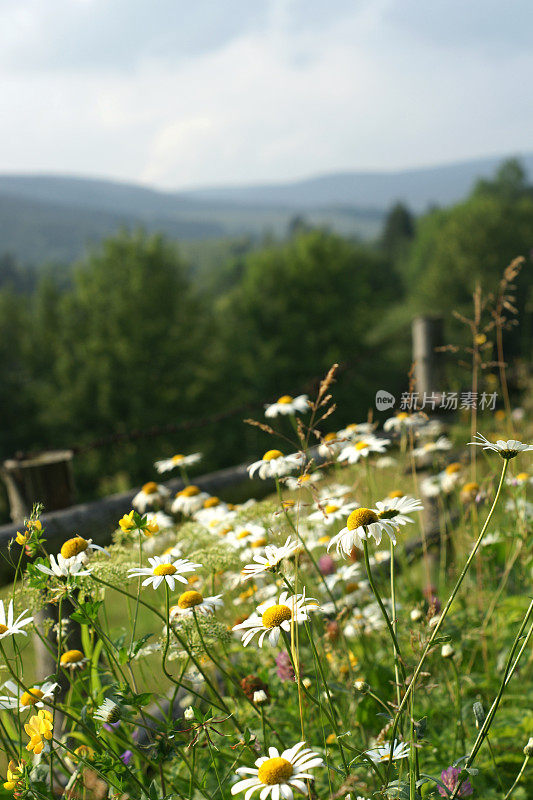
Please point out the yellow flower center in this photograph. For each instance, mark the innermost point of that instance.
(189, 491)
(71, 657)
(304, 478)
(522, 476)
(150, 487)
(275, 615)
(331, 509)
(361, 517)
(243, 534)
(451, 469)
(3, 628)
(31, 697)
(471, 488)
(330, 437)
(165, 569)
(211, 502)
(190, 599)
(324, 539)
(258, 542)
(72, 547)
(177, 458)
(275, 770)
(84, 751)
(395, 493)
(271, 454)
(285, 400)
(352, 586)
(361, 445)
(402, 415)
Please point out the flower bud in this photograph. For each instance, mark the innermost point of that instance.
(416, 615)
(260, 698)
(361, 686)
(528, 749)
(479, 714)
(188, 713)
(447, 651)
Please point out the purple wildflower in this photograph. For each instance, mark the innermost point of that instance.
(284, 669)
(326, 565)
(126, 756)
(449, 777)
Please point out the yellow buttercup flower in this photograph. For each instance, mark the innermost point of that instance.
(126, 523)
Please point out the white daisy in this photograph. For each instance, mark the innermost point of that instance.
(179, 460)
(272, 617)
(151, 494)
(278, 775)
(275, 465)
(332, 512)
(385, 462)
(361, 524)
(396, 509)
(439, 446)
(64, 567)
(161, 519)
(73, 659)
(330, 445)
(293, 484)
(271, 559)
(188, 500)
(108, 712)
(334, 491)
(164, 569)
(19, 698)
(192, 601)
(362, 449)
(288, 405)
(521, 479)
(378, 754)
(79, 548)
(356, 430)
(507, 449)
(402, 420)
(9, 626)
(245, 535)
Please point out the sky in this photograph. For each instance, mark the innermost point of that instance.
(180, 94)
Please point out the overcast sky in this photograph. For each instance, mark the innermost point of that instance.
(206, 92)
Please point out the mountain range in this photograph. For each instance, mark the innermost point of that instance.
(47, 218)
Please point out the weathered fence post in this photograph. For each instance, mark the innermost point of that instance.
(427, 336)
(48, 479)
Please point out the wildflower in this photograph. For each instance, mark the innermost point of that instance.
(126, 757)
(78, 547)
(247, 534)
(84, 752)
(397, 508)
(362, 523)
(330, 445)
(271, 617)
(278, 775)
(178, 460)
(383, 753)
(507, 449)
(9, 626)
(14, 775)
(416, 614)
(260, 698)
(192, 601)
(188, 713)
(188, 500)
(284, 669)
(402, 420)
(73, 659)
(356, 429)
(163, 569)
(39, 728)
(108, 712)
(528, 749)
(151, 494)
(519, 480)
(288, 405)
(303, 480)
(64, 567)
(326, 565)
(450, 777)
(352, 453)
(271, 560)
(440, 445)
(361, 686)
(274, 465)
(21, 699)
(469, 492)
(252, 685)
(134, 523)
(447, 651)
(333, 511)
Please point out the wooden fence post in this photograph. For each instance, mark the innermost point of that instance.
(48, 479)
(427, 335)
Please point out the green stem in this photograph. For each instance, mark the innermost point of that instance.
(517, 779)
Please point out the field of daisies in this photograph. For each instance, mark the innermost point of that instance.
(365, 631)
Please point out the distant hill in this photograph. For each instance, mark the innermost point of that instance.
(47, 218)
(419, 188)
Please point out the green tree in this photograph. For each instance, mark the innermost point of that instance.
(398, 230)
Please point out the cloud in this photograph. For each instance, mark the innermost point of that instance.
(208, 93)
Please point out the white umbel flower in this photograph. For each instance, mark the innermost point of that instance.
(9, 626)
(352, 453)
(288, 405)
(361, 524)
(23, 700)
(378, 754)
(274, 616)
(274, 465)
(192, 601)
(506, 449)
(278, 775)
(164, 569)
(179, 460)
(271, 559)
(64, 567)
(150, 495)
